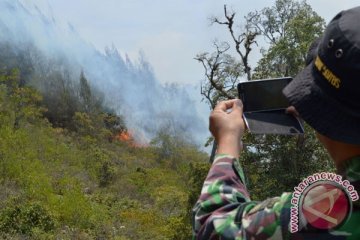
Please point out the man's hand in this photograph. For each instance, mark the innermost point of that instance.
(292, 110)
(227, 126)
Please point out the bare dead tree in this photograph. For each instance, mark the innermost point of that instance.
(243, 41)
(222, 72)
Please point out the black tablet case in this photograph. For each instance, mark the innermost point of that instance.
(271, 121)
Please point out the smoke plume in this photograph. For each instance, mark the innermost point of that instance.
(128, 86)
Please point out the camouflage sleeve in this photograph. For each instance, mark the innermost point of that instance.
(225, 211)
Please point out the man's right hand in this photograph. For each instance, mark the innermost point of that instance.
(227, 126)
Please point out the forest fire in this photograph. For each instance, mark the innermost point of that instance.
(124, 136)
(127, 136)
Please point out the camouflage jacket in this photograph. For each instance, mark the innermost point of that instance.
(224, 209)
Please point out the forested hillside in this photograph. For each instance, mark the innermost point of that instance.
(83, 176)
(92, 145)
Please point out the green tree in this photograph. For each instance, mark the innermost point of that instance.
(60, 98)
(85, 94)
(173, 148)
(25, 101)
(114, 123)
(289, 27)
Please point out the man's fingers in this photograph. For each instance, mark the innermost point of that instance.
(225, 105)
(237, 105)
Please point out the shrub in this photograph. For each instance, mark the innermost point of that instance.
(24, 219)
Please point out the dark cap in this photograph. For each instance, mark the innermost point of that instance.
(327, 92)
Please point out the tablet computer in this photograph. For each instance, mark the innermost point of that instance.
(265, 105)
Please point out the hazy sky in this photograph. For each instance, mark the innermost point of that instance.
(169, 32)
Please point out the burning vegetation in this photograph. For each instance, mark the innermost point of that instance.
(127, 136)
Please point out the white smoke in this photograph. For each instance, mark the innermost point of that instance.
(129, 87)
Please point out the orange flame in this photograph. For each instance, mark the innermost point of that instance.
(124, 136)
(127, 137)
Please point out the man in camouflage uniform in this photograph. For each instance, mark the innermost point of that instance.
(326, 94)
